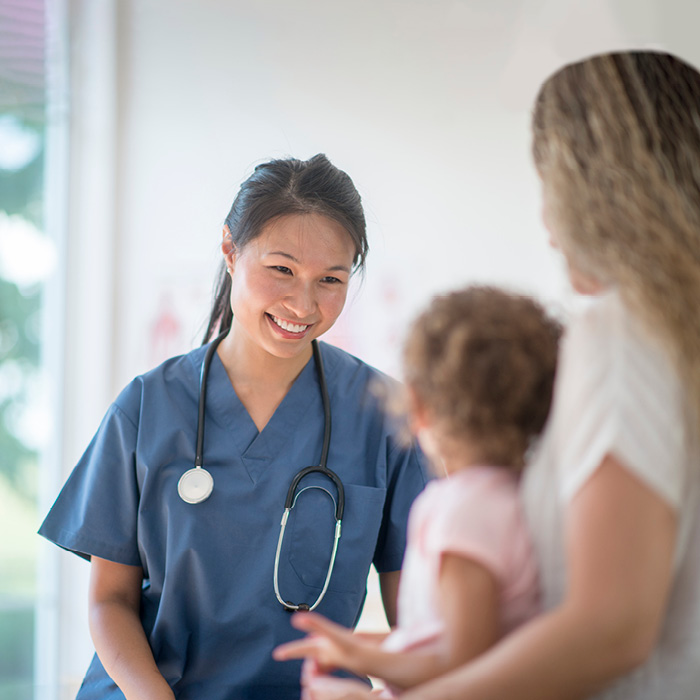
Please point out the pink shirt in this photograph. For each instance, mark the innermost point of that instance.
(474, 513)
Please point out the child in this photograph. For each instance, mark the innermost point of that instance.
(479, 369)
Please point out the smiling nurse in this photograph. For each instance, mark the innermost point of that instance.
(190, 593)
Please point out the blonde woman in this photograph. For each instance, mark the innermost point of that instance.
(612, 497)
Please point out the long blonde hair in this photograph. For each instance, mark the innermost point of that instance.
(616, 140)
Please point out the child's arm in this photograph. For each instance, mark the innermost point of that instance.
(117, 632)
(620, 540)
(469, 606)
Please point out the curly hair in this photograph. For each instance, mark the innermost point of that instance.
(616, 141)
(482, 362)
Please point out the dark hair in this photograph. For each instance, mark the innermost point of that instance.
(482, 361)
(282, 187)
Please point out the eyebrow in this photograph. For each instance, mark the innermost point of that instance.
(334, 268)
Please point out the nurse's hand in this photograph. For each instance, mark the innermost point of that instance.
(330, 645)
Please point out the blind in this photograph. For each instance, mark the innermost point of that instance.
(23, 59)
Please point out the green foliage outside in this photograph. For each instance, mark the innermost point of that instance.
(16, 654)
(21, 193)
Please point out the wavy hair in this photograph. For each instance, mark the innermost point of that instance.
(616, 141)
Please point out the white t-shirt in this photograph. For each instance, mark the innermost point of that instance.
(618, 393)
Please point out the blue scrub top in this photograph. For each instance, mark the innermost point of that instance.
(208, 603)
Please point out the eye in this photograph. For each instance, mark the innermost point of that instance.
(331, 280)
(281, 268)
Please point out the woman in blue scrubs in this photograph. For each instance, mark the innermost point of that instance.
(182, 602)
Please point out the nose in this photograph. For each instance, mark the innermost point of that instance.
(301, 300)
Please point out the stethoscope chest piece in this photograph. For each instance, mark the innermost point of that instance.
(195, 485)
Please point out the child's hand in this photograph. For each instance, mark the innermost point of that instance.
(328, 644)
(310, 671)
(327, 688)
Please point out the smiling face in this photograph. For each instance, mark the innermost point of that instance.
(289, 284)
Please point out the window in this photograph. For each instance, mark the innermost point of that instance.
(27, 262)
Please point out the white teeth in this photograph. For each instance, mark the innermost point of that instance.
(292, 327)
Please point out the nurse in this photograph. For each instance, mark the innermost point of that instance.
(182, 601)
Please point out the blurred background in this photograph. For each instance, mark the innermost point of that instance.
(126, 127)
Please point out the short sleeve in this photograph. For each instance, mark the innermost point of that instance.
(618, 394)
(96, 511)
(408, 474)
(477, 517)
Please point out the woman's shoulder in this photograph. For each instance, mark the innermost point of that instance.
(606, 332)
(596, 316)
(348, 369)
(617, 392)
(170, 380)
(375, 396)
(179, 368)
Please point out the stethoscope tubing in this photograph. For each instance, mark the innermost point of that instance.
(196, 476)
(204, 374)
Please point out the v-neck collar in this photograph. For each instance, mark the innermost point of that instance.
(257, 449)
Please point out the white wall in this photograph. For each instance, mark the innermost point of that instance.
(425, 103)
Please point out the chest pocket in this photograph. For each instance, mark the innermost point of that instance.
(311, 530)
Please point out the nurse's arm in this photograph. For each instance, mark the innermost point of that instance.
(620, 538)
(117, 632)
(389, 586)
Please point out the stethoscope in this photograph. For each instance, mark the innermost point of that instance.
(196, 484)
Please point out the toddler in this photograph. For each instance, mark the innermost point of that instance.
(479, 369)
